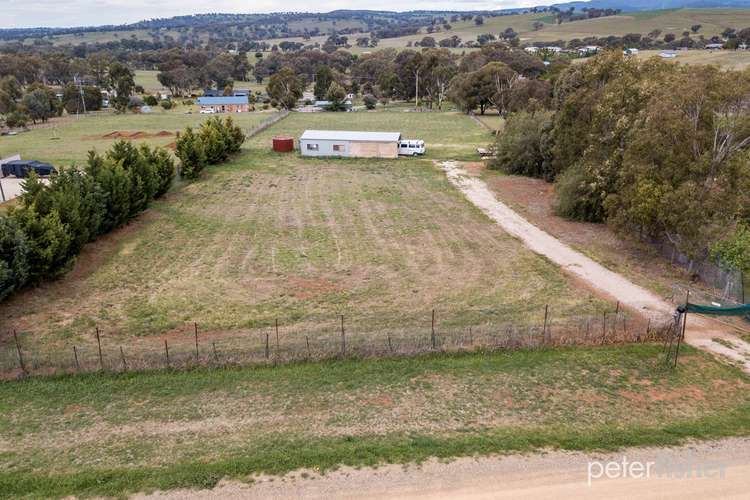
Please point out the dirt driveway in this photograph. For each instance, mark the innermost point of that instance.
(559, 475)
(700, 332)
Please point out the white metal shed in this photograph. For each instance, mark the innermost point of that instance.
(349, 144)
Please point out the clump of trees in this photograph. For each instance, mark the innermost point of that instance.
(41, 237)
(212, 144)
(285, 88)
(656, 150)
(523, 147)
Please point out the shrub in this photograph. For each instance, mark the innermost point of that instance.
(213, 144)
(189, 149)
(234, 136)
(114, 182)
(575, 197)
(370, 101)
(14, 264)
(163, 167)
(143, 181)
(151, 100)
(17, 119)
(521, 145)
(166, 104)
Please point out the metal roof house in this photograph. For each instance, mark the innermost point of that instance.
(228, 104)
(349, 144)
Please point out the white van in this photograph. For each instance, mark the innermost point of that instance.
(411, 147)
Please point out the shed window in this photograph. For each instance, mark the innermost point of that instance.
(312, 147)
(338, 147)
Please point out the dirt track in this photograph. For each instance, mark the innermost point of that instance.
(700, 332)
(558, 475)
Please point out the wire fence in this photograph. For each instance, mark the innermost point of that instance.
(263, 125)
(729, 283)
(340, 337)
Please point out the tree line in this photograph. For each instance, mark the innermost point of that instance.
(655, 150)
(41, 237)
(213, 143)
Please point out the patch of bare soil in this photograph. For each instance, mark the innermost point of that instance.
(124, 134)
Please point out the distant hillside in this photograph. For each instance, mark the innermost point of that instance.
(638, 5)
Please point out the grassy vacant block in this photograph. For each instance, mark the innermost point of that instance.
(110, 434)
(728, 59)
(68, 139)
(279, 236)
(448, 135)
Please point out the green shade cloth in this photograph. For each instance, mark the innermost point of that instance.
(741, 310)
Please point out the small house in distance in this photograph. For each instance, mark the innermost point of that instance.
(349, 144)
(228, 104)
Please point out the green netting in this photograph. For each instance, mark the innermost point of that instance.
(741, 310)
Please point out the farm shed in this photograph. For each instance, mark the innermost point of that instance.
(229, 104)
(349, 144)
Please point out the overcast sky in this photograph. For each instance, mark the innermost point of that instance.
(32, 13)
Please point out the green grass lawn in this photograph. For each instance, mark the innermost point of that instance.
(448, 135)
(114, 434)
(147, 79)
(68, 139)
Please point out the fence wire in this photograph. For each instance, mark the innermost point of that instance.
(340, 337)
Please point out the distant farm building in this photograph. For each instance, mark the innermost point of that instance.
(349, 144)
(228, 104)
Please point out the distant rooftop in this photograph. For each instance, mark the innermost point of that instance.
(348, 135)
(218, 101)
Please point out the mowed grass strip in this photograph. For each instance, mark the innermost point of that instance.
(447, 135)
(111, 434)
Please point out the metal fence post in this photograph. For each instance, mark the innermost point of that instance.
(99, 345)
(18, 349)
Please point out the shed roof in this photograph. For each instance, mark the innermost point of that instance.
(348, 135)
(218, 101)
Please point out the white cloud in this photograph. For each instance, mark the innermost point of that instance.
(32, 13)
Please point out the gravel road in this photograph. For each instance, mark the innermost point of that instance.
(552, 475)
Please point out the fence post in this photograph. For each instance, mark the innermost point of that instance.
(267, 353)
(277, 337)
(99, 344)
(588, 328)
(216, 354)
(604, 326)
(122, 356)
(18, 349)
(307, 341)
(166, 351)
(343, 337)
(390, 346)
(544, 328)
(432, 336)
(471, 337)
(75, 357)
(682, 334)
(617, 308)
(197, 359)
